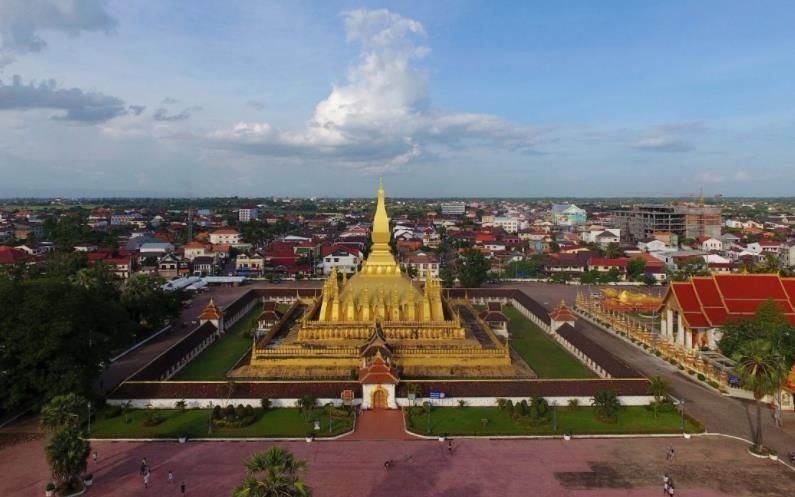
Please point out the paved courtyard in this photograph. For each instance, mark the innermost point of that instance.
(706, 467)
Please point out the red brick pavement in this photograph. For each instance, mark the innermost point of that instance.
(384, 424)
(706, 467)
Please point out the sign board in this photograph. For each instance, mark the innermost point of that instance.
(412, 396)
(347, 397)
(437, 395)
(317, 425)
(734, 381)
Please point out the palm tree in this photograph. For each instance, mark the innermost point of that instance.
(307, 404)
(658, 387)
(273, 473)
(67, 454)
(760, 368)
(62, 410)
(607, 405)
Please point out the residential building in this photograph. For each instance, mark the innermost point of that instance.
(247, 213)
(249, 265)
(453, 208)
(709, 244)
(195, 249)
(420, 263)
(171, 265)
(227, 236)
(568, 215)
(340, 257)
(509, 224)
(204, 265)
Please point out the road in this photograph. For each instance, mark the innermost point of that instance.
(719, 413)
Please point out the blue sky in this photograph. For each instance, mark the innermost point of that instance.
(442, 98)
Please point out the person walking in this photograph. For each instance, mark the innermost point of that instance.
(450, 447)
(666, 484)
(94, 455)
(142, 469)
(182, 488)
(170, 477)
(146, 479)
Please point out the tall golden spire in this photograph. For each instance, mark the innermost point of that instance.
(380, 260)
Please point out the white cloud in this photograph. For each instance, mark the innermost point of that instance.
(669, 137)
(380, 118)
(22, 23)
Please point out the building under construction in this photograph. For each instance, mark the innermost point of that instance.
(642, 221)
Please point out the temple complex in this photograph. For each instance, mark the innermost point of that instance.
(377, 326)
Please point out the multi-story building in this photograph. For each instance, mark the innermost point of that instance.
(509, 224)
(686, 221)
(453, 208)
(225, 236)
(420, 264)
(247, 213)
(568, 215)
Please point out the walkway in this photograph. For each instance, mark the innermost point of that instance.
(704, 467)
(381, 424)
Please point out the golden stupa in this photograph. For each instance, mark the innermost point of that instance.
(380, 310)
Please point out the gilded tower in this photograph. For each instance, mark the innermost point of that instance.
(417, 330)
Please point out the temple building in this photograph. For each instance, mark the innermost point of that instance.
(693, 311)
(378, 326)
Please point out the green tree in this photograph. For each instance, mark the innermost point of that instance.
(554, 247)
(67, 454)
(761, 370)
(273, 473)
(768, 323)
(613, 250)
(636, 268)
(606, 404)
(54, 337)
(147, 303)
(472, 269)
(63, 410)
(658, 388)
(447, 278)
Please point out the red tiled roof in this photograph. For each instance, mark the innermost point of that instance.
(377, 372)
(709, 301)
(603, 261)
(11, 255)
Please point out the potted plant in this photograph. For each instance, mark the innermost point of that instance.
(50, 490)
(687, 435)
(310, 436)
(567, 436)
(773, 454)
(88, 479)
(183, 439)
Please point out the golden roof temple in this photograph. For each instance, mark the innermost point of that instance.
(380, 314)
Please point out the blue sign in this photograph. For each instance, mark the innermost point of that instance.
(437, 395)
(734, 381)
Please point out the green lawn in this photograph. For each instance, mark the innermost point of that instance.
(194, 423)
(579, 421)
(542, 353)
(218, 358)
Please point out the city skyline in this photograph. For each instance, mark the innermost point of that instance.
(445, 100)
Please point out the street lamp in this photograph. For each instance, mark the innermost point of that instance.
(429, 416)
(89, 417)
(682, 405)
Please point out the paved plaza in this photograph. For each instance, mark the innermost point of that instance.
(704, 466)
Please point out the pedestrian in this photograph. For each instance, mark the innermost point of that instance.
(671, 491)
(387, 464)
(673, 453)
(170, 477)
(94, 456)
(182, 488)
(142, 469)
(450, 447)
(146, 479)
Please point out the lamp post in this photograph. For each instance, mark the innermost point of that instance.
(329, 420)
(210, 421)
(682, 405)
(429, 416)
(554, 416)
(89, 417)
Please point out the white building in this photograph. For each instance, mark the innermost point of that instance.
(509, 224)
(343, 258)
(225, 236)
(453, 208)
(247, 213)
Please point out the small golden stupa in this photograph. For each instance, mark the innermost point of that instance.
(379, 310)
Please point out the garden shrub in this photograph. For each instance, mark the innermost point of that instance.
(265, 403)
(524, 408)
(239, 411)
(113, 412)
(713, 383)
(229, 412)
(539, 408)
(217, 412)
(502, 403)
(574, 403)
(248, 410)
(701, 377)
(153, 418)
(681, 368)
(691, 372)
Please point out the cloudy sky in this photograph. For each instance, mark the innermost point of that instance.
(442, 98)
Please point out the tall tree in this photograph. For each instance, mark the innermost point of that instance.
(273, 473)
(472, 269)
(63, 410)
(768, 323)
(147, 302)
(761, 370)
(67, 454)
(635, 268)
